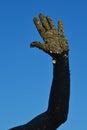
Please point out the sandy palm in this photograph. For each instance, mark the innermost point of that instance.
(54, 40)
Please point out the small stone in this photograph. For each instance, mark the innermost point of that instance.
(50, 51)
(66, 55)
(54, 61)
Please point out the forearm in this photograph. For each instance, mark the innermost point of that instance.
(60, 90)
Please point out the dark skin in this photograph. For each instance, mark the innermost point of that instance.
(56, 45)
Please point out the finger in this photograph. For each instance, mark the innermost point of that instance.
(39, 26)
(44, 22)
(60, 27)
(38, 45)
(50, 23)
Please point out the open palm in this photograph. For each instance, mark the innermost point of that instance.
(54, 40)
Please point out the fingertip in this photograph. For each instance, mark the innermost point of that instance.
(60, 22)
(41, 15)
(31, 45)
(35, 19)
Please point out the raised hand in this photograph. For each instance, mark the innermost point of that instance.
(54, 40)
(56, 45)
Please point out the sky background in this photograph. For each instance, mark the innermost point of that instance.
(26, 74)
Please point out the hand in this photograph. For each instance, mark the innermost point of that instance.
(54, 40)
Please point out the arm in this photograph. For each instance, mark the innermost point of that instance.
(60, 91)
(56, 45)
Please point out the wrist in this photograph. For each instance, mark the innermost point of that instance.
(57, 59)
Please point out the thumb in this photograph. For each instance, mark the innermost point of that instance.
(38, 45)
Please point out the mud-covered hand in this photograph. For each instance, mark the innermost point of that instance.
(54, 40)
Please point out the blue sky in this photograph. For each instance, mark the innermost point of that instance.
(26, 74)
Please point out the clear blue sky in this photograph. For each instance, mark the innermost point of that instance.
(26, 74)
